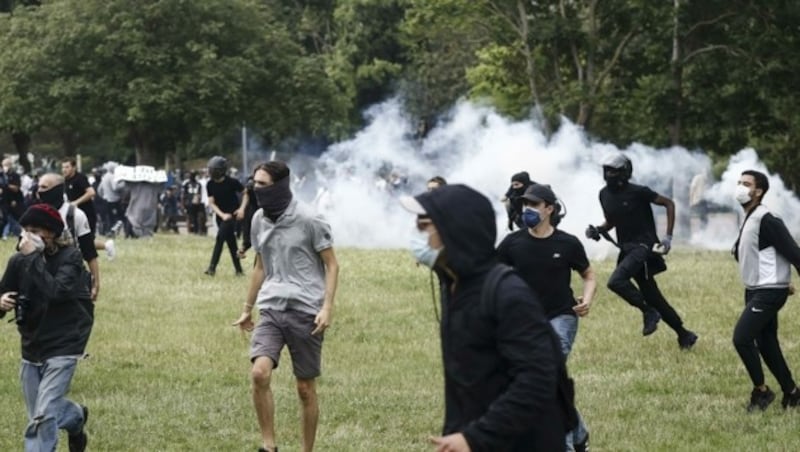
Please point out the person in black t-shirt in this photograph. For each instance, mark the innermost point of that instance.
(545, 257)
(626, 207)
(80, 193)
(223, 198)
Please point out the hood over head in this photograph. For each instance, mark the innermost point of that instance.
(466, 223)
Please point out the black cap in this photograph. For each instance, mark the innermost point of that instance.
(539, 193)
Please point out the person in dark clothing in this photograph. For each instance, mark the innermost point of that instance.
(12, 199)
(626, 207)
(519, 183)
(249, 210)
(47, 287)
(500, 370)
(545, 258)
(192, 196)
(169, 205)
(79, 191)
(223, 199)
(765, 251)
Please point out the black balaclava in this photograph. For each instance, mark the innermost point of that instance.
(274, 199)
(53, 197)
(524, 178)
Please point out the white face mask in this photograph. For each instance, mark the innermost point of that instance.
(422, 251)
(742, 194)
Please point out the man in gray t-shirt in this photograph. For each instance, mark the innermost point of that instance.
(293, 284)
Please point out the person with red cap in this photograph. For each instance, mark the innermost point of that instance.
(47, 287)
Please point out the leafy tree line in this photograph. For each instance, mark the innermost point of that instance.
(168, 77)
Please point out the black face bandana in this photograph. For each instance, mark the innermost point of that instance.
(54, 197)
(274, 199)
(615, 180)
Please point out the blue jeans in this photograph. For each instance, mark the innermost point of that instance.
(45, 386)
(566, 328)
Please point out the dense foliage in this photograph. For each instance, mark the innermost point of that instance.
(166, 77)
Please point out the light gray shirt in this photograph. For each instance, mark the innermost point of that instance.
(289, 249)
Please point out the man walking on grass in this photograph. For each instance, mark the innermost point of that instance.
(765, 251)
(293, 283)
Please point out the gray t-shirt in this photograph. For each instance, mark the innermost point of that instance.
(289, 249)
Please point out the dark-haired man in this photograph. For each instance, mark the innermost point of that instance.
(293, 284)
(436, 182)
(626, 207)
(765, 251)
(80, 194)
(545, 258)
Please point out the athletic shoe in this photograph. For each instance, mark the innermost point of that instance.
(116, 228)
(791, 399)
(111, 250)
(210, 272)
(582, 446)
(651, 319)
(78, 441)
(264, 449)
(760, 399)
(687, 340)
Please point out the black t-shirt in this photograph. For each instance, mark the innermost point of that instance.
(546, 265)
(75, 187)
(225, 193)
(629, 211)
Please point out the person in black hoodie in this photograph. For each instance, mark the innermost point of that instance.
(513, 199)
(47, 286)
(500, 369)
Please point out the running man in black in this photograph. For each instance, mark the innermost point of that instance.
(626, 207)
(766, 253)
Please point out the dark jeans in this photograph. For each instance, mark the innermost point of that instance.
(226, 233)
(647, 296)
(756, 333)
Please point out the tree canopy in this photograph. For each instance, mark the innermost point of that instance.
(164, 77)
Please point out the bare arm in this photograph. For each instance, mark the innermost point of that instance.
(666, 202)
(239, 213)
(323, 319)
(589, 289)
(94, 269)
(245, 320)
(87, 196)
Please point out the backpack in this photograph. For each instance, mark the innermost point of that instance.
(565, 384)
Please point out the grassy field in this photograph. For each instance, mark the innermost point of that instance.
(167, 372)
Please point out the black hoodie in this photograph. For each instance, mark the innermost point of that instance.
(59, 314)
(500, 370)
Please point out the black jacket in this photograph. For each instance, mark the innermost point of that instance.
(59, 315)
(500, 370)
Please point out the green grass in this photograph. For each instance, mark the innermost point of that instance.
(167, 372)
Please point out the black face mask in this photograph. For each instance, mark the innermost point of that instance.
(54, 197)
(274, 199)
(615, 180)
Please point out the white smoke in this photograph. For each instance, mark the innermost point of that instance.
(478, 147)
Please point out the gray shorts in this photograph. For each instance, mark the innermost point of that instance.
(292, 328)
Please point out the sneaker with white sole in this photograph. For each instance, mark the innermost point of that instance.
(111, 250)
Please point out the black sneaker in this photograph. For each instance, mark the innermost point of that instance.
(651, 319)
(583, 446)
(760, 399)
(78, 441)
(263, 449)
(686, 340)
(791, 399)
(210, 272)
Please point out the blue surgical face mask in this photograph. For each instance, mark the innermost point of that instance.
(531, 217)
(422, 251)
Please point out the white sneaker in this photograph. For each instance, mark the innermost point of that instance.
(110, 250)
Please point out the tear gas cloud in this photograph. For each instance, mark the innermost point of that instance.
(356, 183)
